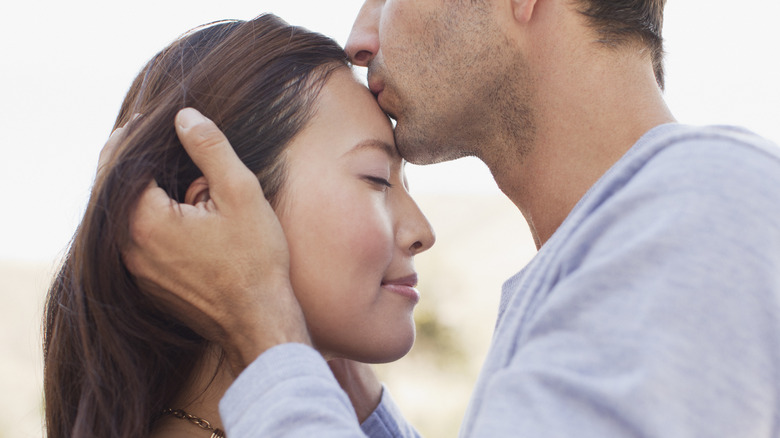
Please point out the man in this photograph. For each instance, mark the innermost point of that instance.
(653, 306)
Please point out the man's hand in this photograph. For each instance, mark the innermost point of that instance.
(108, 153)
(221, 265)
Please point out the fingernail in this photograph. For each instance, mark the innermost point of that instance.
(189, 117)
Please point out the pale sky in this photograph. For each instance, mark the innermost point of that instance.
(65, 67)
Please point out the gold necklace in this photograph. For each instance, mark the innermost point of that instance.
(203, 424)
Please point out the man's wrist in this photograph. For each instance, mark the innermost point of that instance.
(265, 329)
(360, 383)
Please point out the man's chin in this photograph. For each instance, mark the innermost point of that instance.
(415, 150)
(420, 150)
(387, 109)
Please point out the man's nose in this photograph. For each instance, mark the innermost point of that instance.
(363, 43)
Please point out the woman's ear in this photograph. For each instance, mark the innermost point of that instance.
(198, 191)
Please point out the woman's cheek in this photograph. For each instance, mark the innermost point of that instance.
(370, 236)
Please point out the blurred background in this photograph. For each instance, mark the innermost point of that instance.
(65, 67)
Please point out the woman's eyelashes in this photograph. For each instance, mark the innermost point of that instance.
(379, 181)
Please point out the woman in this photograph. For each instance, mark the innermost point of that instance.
(116, 364)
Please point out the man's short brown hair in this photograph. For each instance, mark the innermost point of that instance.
(620, 22)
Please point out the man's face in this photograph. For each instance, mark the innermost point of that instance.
(438, 67)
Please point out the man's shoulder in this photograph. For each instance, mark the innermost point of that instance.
(702, 160)
(698, 148)
(675, 204)
(698, 185)
(716, 163)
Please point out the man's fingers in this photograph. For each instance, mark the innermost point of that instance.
(109, 151)
(154, 209)
(210, 150)
(110, 148)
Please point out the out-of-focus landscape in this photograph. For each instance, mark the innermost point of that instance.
(481, 241)
(22, 289)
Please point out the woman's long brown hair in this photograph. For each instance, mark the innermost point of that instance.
(113, 359)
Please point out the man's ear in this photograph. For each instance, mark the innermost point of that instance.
(523, 10)
(198, 191)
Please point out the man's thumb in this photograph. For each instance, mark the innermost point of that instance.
(210, 150)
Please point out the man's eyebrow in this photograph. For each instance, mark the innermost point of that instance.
(383, 146)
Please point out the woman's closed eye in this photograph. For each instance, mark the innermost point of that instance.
(379, 181)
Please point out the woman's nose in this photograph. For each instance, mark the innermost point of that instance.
(363, 43)
(416, 233)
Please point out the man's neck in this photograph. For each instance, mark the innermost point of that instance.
(584, 123)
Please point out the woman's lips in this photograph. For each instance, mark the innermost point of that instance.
(406, 291)
(405, 287)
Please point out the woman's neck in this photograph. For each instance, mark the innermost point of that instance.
(199, 397)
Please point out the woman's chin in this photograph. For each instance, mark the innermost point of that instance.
(390, 354)
(373, 351)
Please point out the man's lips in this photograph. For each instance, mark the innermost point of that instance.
(376, 86)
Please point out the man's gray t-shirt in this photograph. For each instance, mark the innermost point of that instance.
(654, 310)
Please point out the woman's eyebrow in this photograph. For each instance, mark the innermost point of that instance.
(371, 143)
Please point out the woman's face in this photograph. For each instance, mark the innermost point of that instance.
(352, 227)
